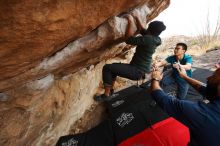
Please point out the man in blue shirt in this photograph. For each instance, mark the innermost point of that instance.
(202, 119)
(178, 59)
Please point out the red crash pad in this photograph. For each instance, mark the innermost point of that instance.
(168, 132)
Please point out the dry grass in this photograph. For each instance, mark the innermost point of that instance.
(208, 38)
(196, 47)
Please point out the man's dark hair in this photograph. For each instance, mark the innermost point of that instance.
(156, 27)
(213, 85)
(183, 45)
(211, 92)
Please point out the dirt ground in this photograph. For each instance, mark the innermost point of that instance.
(208, 60)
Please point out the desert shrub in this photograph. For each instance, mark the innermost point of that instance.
(208, 39)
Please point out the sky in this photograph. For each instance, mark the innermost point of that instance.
(189, 17)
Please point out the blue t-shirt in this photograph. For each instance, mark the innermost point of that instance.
(203, 120)
(186, 59)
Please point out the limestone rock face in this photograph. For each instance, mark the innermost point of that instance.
(51, 56)
(34, 30)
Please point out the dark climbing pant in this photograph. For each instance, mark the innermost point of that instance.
(111, 71)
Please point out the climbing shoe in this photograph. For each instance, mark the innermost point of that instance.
(101, 98)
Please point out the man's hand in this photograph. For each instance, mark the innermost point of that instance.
(140, 20)
(158, 64)
(128, 17)
(176, 65)
(157, 75)
(155, 66)
(182, 71)
(131, 22)
(140, 25)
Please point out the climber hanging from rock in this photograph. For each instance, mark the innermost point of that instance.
(140, 65)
